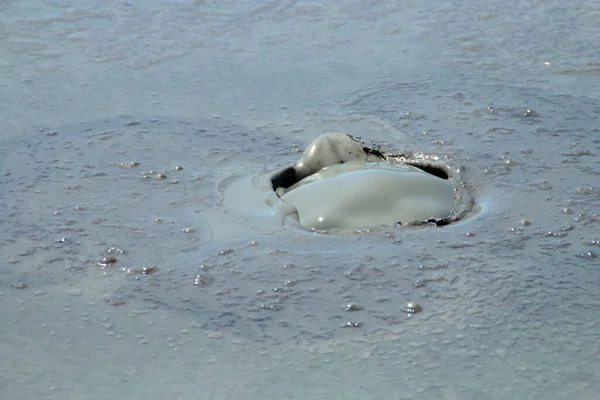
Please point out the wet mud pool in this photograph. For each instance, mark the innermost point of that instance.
(126, 262)
(130, 208)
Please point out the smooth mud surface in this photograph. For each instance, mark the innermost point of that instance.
(125, 273)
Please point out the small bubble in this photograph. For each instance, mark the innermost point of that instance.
(553, 234)
(544, 185)
(149, 270)
(352, 307)
(19, 285)
(107, 261)
(353, 324)
(588, 255)
(271, 307)
(578, 153)
(586, 190)
(201, 280)
(412, 308)
(419, 283)
(115, 250)
(226, 252)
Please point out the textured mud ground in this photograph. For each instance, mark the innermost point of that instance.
(515, 281)
(509, 307)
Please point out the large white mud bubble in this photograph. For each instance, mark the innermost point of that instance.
(339, 183)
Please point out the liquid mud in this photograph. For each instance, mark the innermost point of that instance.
(122, 264)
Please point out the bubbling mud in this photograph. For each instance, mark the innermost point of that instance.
(339, 183)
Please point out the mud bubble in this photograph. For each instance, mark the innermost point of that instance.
(339, 183)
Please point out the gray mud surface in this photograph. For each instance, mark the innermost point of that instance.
(242, 307)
